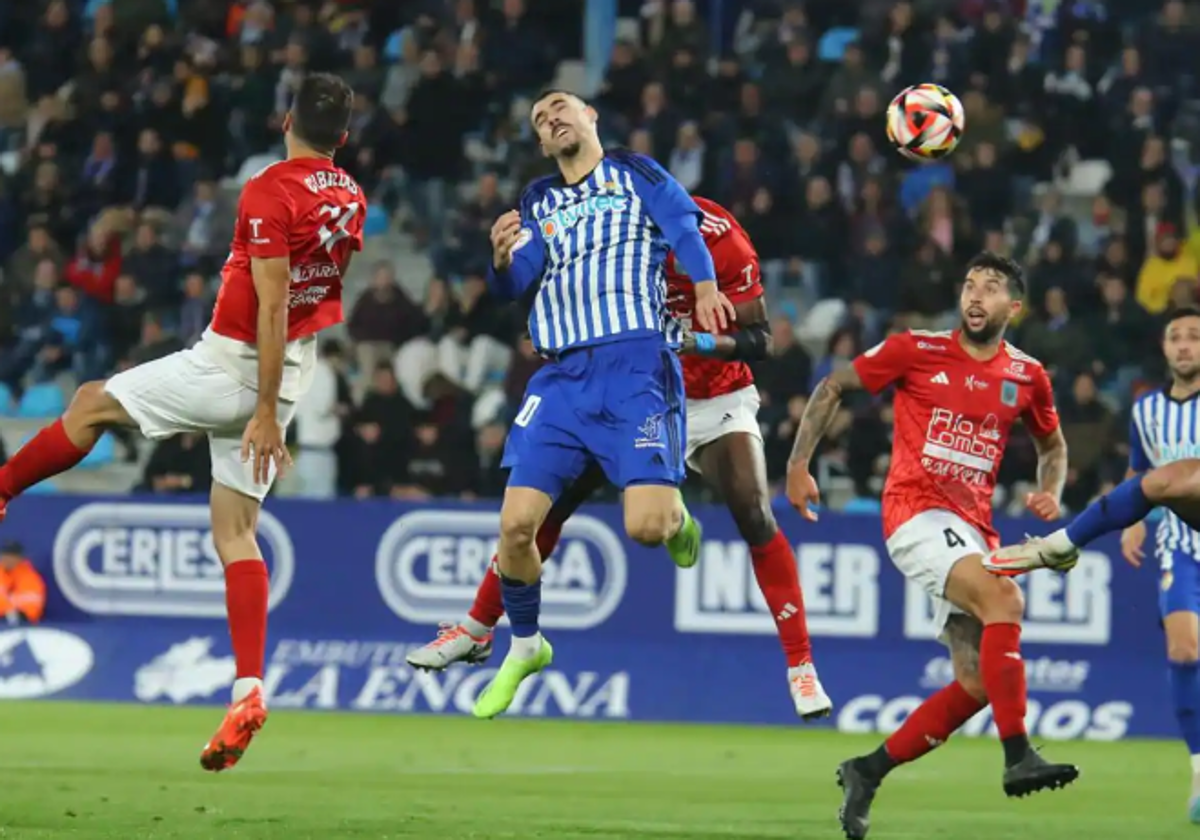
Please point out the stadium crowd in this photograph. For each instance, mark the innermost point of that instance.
(121, 117)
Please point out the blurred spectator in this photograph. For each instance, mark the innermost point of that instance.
(383, 319)
(127, 119)
(1168, 264)
(435, 465)
(180, 464)
(22, 588)
(788, 371)
(379, 439)
(319, 416)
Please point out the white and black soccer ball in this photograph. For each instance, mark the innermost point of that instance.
(925, 122)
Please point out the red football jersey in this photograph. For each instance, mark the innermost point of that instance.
(953, 417)
(309, 211)
(738, 277)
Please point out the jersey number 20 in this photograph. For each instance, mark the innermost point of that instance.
(335, 231)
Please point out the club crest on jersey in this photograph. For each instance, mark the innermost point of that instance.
(1008, 393)
(651, 436)
(552, 226)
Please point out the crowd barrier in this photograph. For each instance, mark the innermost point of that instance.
(136, 613)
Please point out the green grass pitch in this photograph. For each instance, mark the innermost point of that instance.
(132, 773)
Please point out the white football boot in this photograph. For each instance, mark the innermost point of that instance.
(453, 644)
(807, 692)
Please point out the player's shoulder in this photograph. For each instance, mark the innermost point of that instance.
(1149, 398)
(1019, 364)
(715, 220)
(932, 341)
(535, 191)
(637, 163)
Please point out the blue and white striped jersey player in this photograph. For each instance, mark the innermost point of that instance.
(1164, 470)
(589, 245)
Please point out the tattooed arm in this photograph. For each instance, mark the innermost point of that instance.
(1046, 502)
(822, 407)
(1052, 463)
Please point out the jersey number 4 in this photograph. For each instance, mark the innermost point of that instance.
(953, 540)
(334, 231)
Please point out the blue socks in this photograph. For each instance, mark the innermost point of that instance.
(1185, 697)
(523, 604)
(1119, 509)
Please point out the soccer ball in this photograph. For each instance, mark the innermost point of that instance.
(925, 122)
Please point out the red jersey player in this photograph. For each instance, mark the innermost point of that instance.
(298, 223)
(958, 395)
(724, 444)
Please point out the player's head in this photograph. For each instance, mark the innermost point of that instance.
(564, 123)
(991, 296)
(320, 114)
(1181, 343)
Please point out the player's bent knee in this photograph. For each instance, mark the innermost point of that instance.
(650, 527)
(1172, 482)
(518, 528)
(991, 599)
(1002, 603)
(1183, 652)
(94, 406)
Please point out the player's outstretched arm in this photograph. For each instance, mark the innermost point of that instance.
(750, 343)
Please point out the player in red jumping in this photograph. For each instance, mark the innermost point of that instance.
(724, 444)
(958, 394)
(298, 223)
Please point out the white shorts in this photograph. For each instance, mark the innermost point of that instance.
(708, 420)
(925, 549)
(189, 392)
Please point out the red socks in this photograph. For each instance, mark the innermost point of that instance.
(47, 454)
(775, 571)
(246, 589)
(1003, 672)
(932, 723)
(489, 600)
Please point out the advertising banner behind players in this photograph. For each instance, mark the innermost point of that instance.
(356, 585)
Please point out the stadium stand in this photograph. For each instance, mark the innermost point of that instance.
(127, 126)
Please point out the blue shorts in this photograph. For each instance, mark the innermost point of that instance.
(620, 404)
(1179, 584)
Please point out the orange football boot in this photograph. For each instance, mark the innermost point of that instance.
(242, 722)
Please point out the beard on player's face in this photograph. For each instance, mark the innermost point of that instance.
(991, 329)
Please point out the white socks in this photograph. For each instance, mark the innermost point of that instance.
(477, 629)
(243, 686)
(526, 647)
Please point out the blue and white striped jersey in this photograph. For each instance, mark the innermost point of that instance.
(1163, 430)
(596, 251)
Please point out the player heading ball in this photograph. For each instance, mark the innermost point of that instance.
(299, 222)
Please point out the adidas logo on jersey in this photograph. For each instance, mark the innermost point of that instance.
(940, 378)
